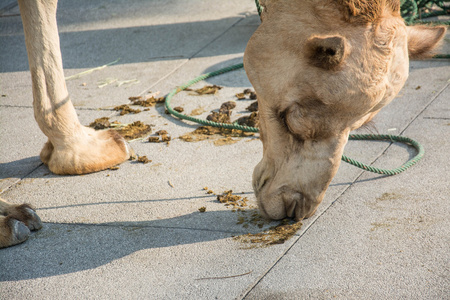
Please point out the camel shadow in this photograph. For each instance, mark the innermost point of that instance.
(136, 44)
(19, 168)
(67, 248)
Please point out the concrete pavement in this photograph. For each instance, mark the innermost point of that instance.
(137, 233)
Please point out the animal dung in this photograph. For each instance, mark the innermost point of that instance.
(212, 133)
(206, 90)
(143, 159)
(252, 120)
(124, 109)
(226, 106)
(219, 117)
(161, 137)
(153, 139)
(240, 96)
(246, 93)
(208, 191)
(134, 130)
(253, 107)
(128, 131)
(146, 102)
(100, 123)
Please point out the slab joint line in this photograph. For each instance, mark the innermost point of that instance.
(245, 294)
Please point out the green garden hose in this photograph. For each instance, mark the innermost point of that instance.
(392, 138)
(410, 12)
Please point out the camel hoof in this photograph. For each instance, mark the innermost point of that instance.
(34, 222)
(20, 232)
(94, 151)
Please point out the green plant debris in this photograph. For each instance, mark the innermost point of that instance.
(105, 82)
(275, 235)
(78, 75)
(129, 82)
(250, 217)
(233, 201)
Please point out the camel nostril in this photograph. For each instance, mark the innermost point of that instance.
(290, 207)
(292, 200)
(262, 182)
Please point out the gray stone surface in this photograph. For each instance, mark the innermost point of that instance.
(21, 142)
(385, 238)
(136, 232)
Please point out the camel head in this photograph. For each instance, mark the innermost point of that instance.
(321, 69)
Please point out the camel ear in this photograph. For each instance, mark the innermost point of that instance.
(327, 52)
(422, 40)
(266, 8)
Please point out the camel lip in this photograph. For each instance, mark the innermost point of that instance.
(279, 203)
(287, 202)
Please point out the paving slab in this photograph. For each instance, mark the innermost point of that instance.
(21, 142)
(385, 238)
(124, 262)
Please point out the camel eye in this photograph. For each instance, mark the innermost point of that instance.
(290, 119)
(282, 119)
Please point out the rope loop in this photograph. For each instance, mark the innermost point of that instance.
(412, 13)
(392, 138)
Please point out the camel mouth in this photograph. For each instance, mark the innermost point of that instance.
(286, 202)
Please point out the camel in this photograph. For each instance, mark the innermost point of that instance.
(320, 69)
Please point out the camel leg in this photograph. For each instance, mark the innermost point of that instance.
(71, 147)
(16, 221)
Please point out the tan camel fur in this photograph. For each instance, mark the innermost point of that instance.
(320, 69)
